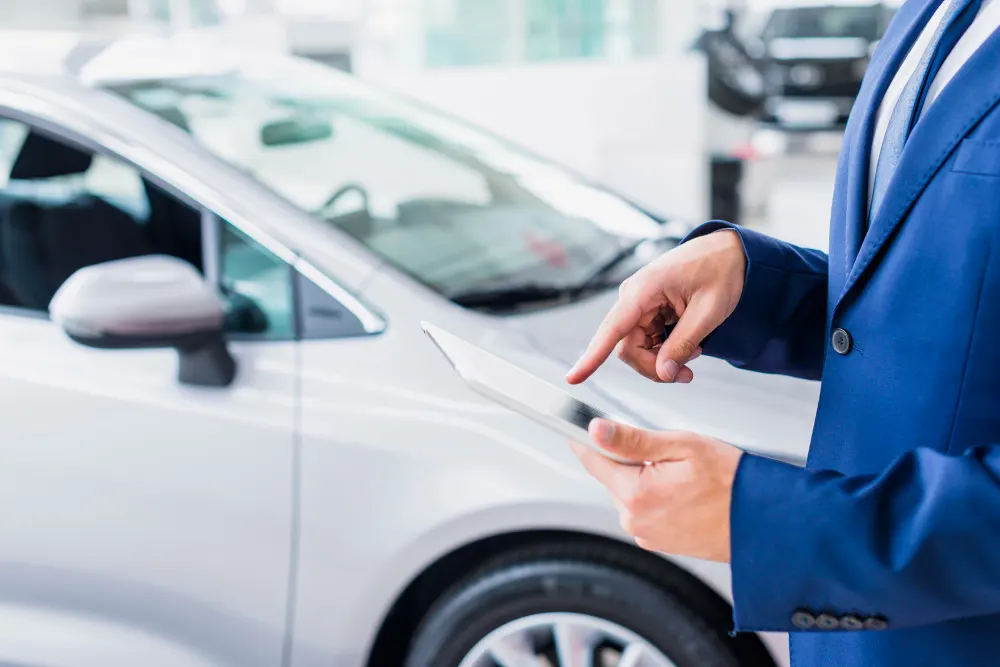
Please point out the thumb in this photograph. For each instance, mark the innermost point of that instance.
(699, 319)
(636, 444)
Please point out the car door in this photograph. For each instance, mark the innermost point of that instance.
(143, 521)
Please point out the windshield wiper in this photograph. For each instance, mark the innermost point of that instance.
(515, 295)
(506, 297)
(600, 274)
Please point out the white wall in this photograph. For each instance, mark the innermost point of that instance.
(636, 126)
(242, 32)
(36, 14)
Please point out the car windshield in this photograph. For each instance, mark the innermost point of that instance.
(455, 207)
(809, 22)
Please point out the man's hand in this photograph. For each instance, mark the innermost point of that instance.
(697, 286)
(679, 502)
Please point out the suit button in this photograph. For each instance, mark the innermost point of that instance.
(876, 623)
(851, 623)
(803, 620)
(827, 622)
(841, 340)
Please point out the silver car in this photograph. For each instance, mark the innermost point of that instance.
(229, 442)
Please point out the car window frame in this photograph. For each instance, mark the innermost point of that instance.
(212, 221)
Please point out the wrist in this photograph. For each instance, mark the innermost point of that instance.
(737, 251)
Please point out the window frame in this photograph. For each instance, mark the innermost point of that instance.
(212, 222)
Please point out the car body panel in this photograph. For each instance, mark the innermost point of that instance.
(480, 471)
(145, 522)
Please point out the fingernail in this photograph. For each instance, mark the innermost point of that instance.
(669, 370)
(604, 430)
(685, 379)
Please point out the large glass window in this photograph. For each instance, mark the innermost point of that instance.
(105, 7)
(196, 13)
(484, 32)
(644, 26)
(468, 32)
(558, 29)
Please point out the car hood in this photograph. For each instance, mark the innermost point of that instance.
(767, 414)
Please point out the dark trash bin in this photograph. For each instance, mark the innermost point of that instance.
(726, 177)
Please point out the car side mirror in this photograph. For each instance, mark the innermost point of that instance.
(153, 301)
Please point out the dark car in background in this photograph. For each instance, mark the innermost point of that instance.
(813, 60)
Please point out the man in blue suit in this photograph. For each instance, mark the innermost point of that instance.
(885, 550)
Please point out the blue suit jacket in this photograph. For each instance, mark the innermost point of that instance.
(895, 522)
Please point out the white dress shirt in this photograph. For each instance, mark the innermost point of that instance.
(986, 22)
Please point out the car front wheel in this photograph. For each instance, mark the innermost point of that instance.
(563, 612)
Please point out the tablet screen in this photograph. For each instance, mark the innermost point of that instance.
(521, 391)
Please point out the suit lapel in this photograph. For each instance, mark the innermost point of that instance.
(960, 106)
(892, 50)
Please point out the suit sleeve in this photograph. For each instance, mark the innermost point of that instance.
(914, 545)
(779, 325)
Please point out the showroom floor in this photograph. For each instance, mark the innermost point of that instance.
(801, 188)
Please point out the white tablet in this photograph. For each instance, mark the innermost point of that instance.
(521, 391)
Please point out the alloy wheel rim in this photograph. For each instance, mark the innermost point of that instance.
(564, 639)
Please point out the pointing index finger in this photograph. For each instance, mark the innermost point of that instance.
(620, 320)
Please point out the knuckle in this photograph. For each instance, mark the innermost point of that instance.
(632, 288)
(686, 347)
(630, 313)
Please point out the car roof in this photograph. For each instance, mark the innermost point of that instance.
(37, 52)
(97, 61)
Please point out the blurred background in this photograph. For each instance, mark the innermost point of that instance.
(694, 108)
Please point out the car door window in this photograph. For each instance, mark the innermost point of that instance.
(257, 285)
(63, 208)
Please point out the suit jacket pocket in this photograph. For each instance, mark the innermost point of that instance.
(978, 156)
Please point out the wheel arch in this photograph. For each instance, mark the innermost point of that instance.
(388, 649)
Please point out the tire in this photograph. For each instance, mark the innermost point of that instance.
(528, 584)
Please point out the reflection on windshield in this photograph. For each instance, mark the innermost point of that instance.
(457, 208)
